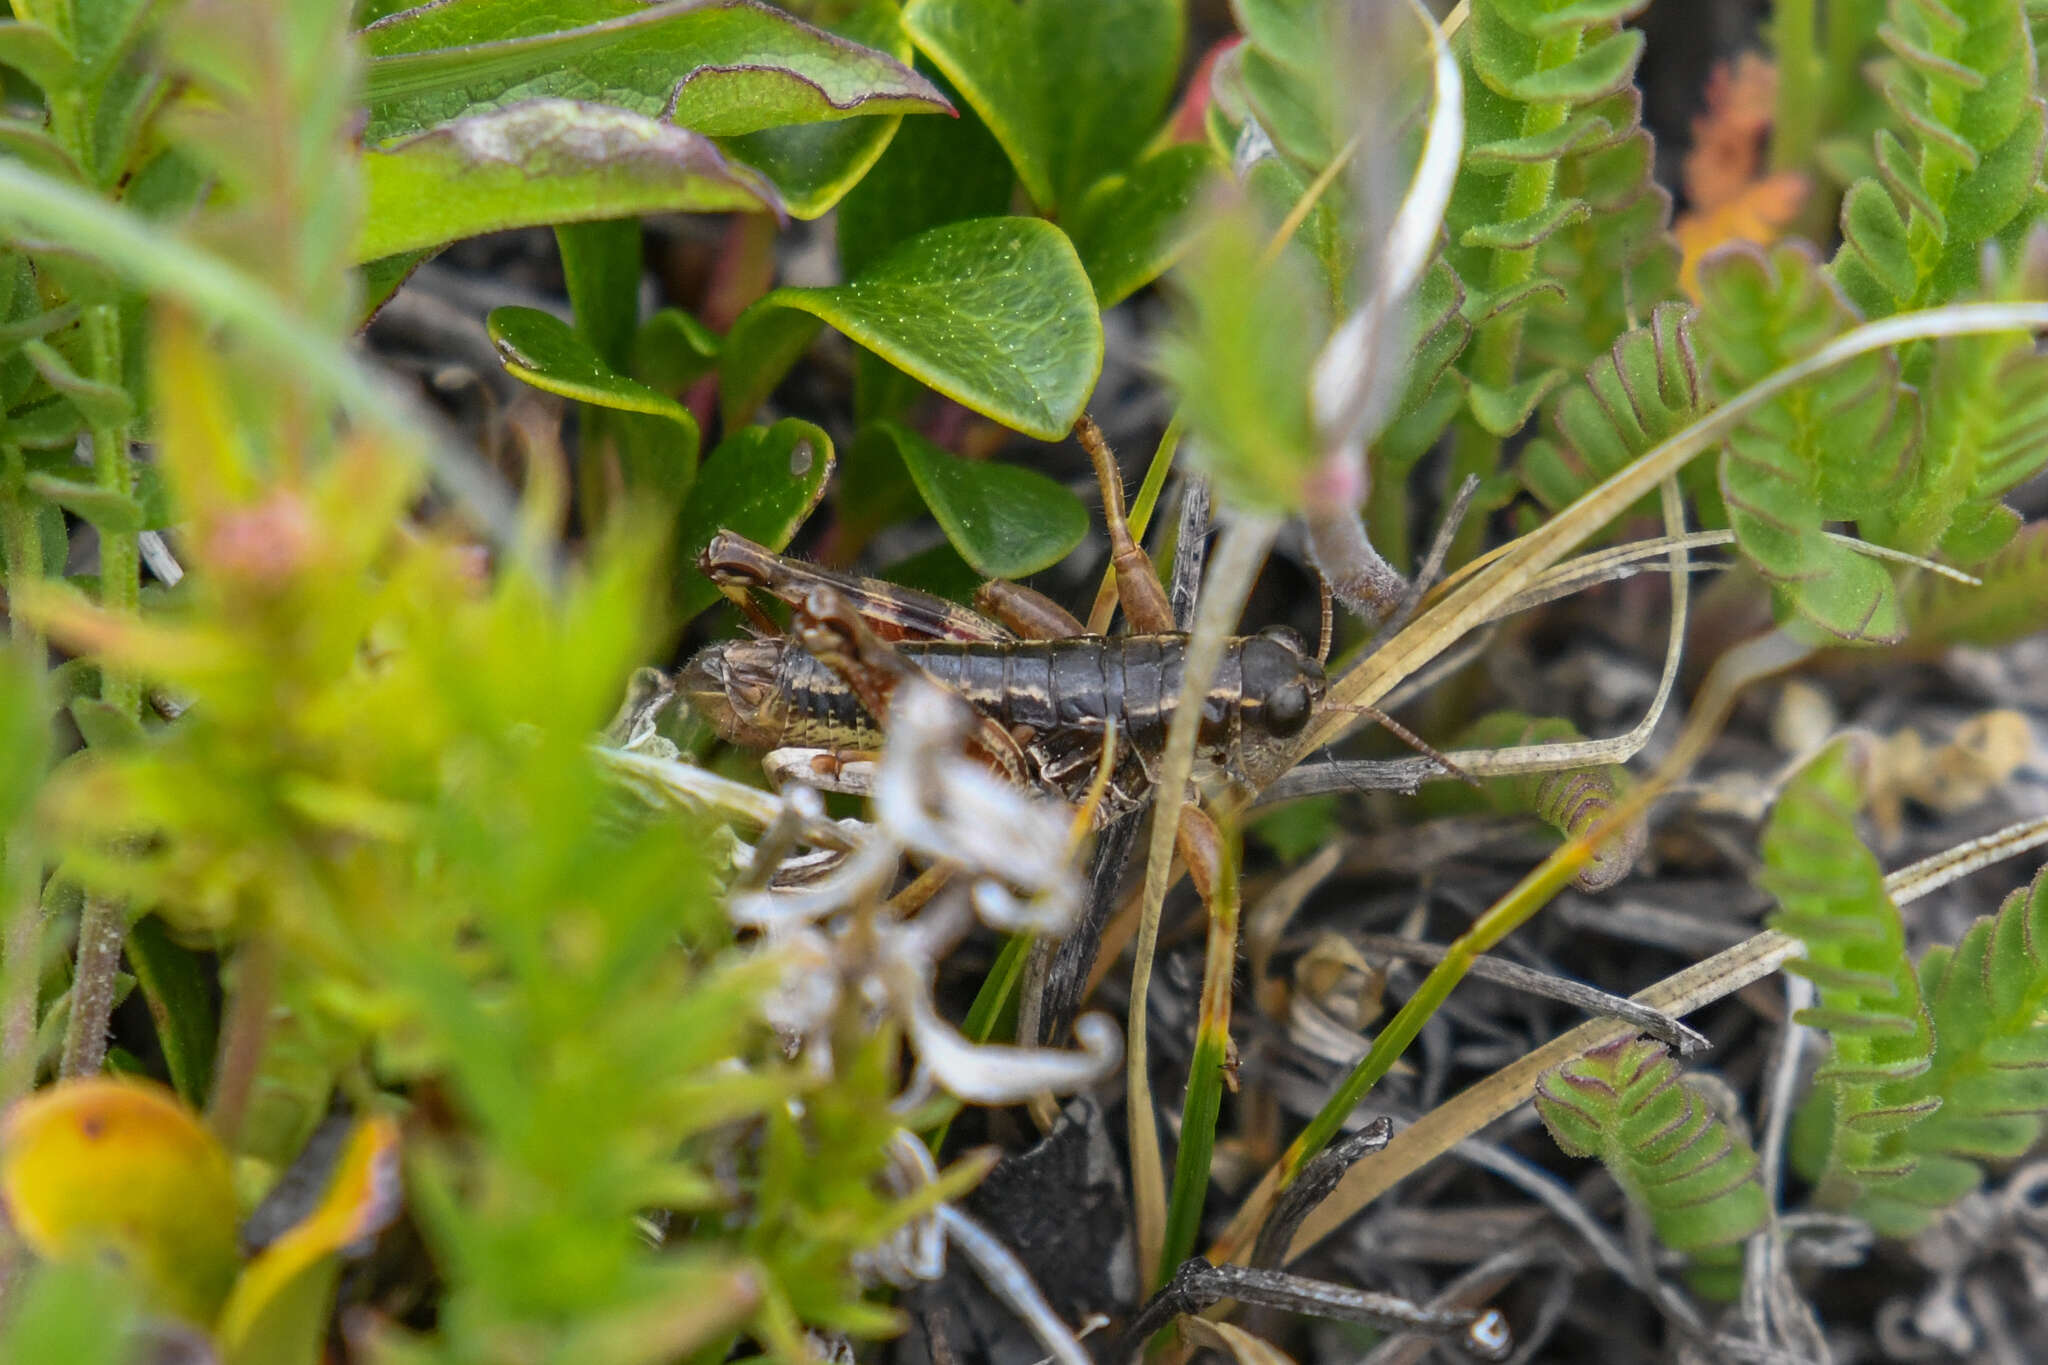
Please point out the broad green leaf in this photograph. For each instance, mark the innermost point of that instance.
(541, 349)
(178, 986)
(105, 1170)
(1129, 228)
(721, 69)
(935, 171)
(601, 272)
(673, 349)
(758, 352)
(1073, 89)
(37, 53)
(1004, 520)
(277, 1313)
(813, 166)
(383, 277)
(545, 161)
(995, 313)
(761, 482)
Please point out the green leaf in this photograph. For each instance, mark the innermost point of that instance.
(32, 143)
(601, 272)
(935, 171)
(1832, 449)
(1004, 520)
(383, 277)
(1831, 896)
(1990, 1068)
(1661, 1138)
(540, 349)
(2011, 603)
(1073, 89)
(102, 405)
(178, 986)
(758, 352)
(104, 726)
(1569, 800)
(1963, 91)
(1129, 228)
(78, 1314)
(672, 350)
(1984, 432)
(995, 313)
(545, 161)
(38, 53)
(718, 69)
(1240, 357)
(1644, 391)
(813, 166)
(109, 509)
(761, 482)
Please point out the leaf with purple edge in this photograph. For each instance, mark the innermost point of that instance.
(720, 69)
(547, 161)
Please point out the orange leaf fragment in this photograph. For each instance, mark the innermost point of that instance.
(1727, 199)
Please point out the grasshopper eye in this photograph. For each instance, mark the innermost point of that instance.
(1286, 710)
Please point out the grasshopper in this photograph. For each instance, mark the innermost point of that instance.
(1051, 698)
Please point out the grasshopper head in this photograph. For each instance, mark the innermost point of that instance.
(732, 685)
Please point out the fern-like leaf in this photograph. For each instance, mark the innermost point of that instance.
(1831, 897)
(1569, 800)
(1618, 262)
(1990, 1067)
(1962, 85)
(1646, 389)
(1985, 431)
(1538, 76)
(1829, 450)
(2011, 604)
(1679, 1161)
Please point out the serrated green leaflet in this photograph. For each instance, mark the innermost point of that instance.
(995, 313)
(729, 68)
(761, 482)
(1130, 227)
(548, 161)
(1073, 89)
(1004, 520)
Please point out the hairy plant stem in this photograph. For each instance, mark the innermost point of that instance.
(20, 953)
(20, 862)
(103, 924)
(242, 1037)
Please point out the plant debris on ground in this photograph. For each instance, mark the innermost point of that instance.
(936, 681)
